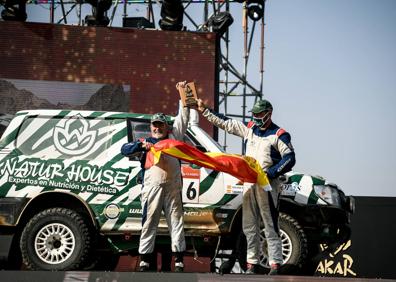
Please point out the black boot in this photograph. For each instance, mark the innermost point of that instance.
(144, 262)
(179, 265)
(274, 269)
(251, 268)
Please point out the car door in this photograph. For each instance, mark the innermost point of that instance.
(208, 200)
(137, 128)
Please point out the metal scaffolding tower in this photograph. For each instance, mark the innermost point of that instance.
(239, 88)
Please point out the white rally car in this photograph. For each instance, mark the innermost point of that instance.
(70, 200)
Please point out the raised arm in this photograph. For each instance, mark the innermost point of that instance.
(231, 126)
(181, 120)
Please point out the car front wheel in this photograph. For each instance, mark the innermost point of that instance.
(55, 239)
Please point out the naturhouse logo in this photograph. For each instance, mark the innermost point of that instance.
(74, 137)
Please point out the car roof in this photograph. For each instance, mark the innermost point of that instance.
(86, 114)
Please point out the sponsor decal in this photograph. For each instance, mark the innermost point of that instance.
(82, 177)
(74, 137)
(135, 211)
(197, 213)
(290, 189)
(234, 189)
(112, 211)
(191, 179)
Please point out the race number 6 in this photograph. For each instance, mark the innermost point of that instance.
(190, 191)
(191, 179)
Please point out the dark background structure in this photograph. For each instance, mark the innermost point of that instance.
(150, 61)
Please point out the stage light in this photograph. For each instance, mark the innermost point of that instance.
(99, 9)
(255, 9)
(137, 22)
(171, 15)
(220, 22)
(14, 10)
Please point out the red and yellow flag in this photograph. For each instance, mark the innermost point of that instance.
(246, 169)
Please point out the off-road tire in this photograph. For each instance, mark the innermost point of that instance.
(71, 226)
(299, 243)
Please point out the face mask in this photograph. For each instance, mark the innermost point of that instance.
(261, 122)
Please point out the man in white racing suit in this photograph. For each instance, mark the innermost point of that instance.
(161, 190)
(271, 146)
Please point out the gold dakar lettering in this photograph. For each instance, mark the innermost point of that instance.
(332, 266)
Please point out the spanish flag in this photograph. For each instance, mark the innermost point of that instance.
(246, 169)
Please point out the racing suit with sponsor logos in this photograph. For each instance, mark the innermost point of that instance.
(273, 150)
(161, 190)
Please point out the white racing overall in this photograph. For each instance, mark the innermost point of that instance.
(162, 186)
(273, 154)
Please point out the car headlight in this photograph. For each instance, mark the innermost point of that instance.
(328, 194)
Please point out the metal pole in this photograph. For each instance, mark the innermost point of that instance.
(63, 11)
(262, 53)
(151, 12)
(206, 12)
(226, 75)
(52, 11)
(68, 12)
(113, 13)
(245, 49)
(124, 15)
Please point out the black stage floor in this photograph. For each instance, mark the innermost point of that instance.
(82, 276)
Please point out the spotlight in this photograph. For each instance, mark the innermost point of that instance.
(137, 22)
(14, 10)
(255, 9)
(171, 15)
(99, 9)
(220, 22)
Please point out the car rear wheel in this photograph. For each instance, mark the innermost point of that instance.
(294, 247)
(294, 244)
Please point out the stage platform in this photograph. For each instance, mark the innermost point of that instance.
(87, 276)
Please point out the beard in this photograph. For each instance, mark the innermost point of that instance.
(159, 134)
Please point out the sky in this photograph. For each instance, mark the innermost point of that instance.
(330, 73)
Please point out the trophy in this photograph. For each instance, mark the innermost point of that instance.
(188, 95)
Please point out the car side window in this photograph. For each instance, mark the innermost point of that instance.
(138, 130)
(141, 130)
